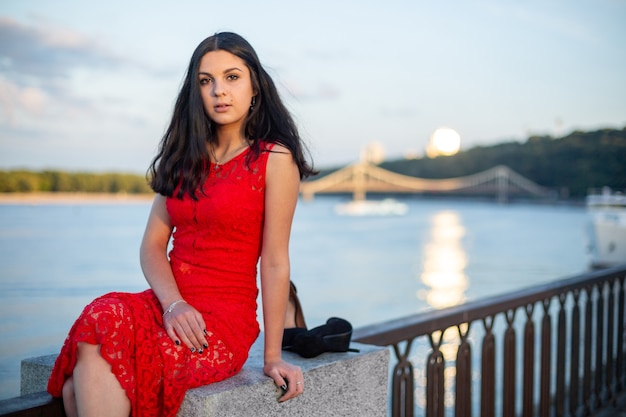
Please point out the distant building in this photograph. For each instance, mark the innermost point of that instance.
(374, 153)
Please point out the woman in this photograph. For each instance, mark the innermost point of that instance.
(227, 177)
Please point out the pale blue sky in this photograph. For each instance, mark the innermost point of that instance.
(90, 85)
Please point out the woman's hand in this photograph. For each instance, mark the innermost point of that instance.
(185, 324)
(287, 377)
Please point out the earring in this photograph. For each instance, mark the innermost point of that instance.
(253, 102)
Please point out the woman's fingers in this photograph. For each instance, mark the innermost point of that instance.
(186, 327)
(295, 387)
(288, 377)
(169, 329)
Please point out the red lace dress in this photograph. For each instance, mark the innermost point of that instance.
(216, 247)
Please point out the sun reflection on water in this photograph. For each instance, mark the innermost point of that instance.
(444, 262)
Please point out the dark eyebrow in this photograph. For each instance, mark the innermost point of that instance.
(225, 71)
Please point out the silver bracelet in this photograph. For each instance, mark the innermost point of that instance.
(171, 307)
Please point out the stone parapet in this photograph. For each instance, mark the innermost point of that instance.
(336, 384)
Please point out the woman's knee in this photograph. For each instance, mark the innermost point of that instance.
(89, 359)
(69, 397)
(68, 389)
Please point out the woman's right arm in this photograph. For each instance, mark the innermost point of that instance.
(153, 254)
(184, 321)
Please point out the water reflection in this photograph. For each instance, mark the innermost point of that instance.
(444, 262)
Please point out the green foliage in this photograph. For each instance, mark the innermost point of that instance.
(19, 181)
(571, 164)
(60, 181)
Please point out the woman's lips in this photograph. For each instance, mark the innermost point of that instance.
(221, 108)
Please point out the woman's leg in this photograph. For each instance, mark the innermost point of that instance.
(96, 391)
(69, 399)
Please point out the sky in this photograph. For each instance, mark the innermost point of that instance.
(90, 86)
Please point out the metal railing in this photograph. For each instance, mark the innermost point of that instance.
(551, 350)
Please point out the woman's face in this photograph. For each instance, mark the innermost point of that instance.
(225, 87)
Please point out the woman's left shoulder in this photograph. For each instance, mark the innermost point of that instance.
(271, 147)
(275, 150)
(280, 149)
(279, 159)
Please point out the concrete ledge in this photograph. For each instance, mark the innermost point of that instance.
(39, 404)
(336, 384)
(34, 374)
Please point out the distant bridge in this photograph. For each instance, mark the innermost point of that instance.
(363, 177)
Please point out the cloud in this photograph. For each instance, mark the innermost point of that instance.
(14, 98)
(28, 52)
(49, 73)
(37, 64)
(67, 97)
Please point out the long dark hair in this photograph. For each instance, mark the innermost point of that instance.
(182, 158)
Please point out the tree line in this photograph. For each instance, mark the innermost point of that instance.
(570, 165)
(59, 181)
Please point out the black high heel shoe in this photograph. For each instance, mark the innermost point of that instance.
(290, 333)
(334, 336)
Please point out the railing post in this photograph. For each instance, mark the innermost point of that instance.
(508, 393)
(463, 400)
(546, 363)
(599, 365)
(488, 371)
(587, 352)
(621, 333)
(529, 364)
(560, 358)
(574, 385)
(435, 379)
(610, 331)
(402, 389)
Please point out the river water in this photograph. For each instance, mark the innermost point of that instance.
(55, 258)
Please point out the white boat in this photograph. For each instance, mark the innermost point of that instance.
(606, 228)
(386, 207)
